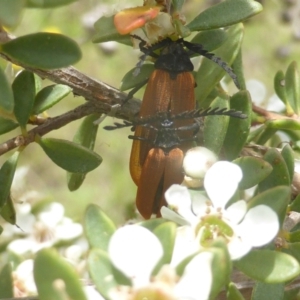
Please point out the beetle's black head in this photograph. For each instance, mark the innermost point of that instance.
(174, 59)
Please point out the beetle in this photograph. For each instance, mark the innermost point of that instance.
(170, 88)
(162, 166)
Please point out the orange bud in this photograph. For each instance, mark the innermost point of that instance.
(130, 19)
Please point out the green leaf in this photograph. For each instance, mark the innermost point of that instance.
(210, 39)
(151, 224)
(210, 73)
(55, 278)
(238, 70)
(6, 93)
(291, 294)
(7, 125)
(233, 293)
(106, 31)
(215, 127)
(24, 94)
(292, 86)
(105, 276)
(280, 173)
(276, 198)
(283, 124)
(288, 156)
(86, 137)
(279, 86)
(130, 81)
(238, 129)
(43, 50)
(6, 282)
(7, 173)
(224, 14)
(49, 96)
(8, 212)
(70, 156)
(10, 12)
(98, 227)
(47, 3)
(295, 205)
(255, 133)
(265, 135)
(294, 236)
(254, 171)
(266, 291)
(166, 234)
(293, 249)
(269, 266)
(221, 267)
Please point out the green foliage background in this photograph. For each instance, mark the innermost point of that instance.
(110, 185)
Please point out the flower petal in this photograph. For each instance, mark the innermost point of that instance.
(236, 211)
(199, 203)
(135, 251)
(221, 182)
(185, 244)
(171, 215)
(178, 197)
(237, 248)
(259, 226)
(52, 214)
(196, 281)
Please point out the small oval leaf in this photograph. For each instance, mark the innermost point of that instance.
(6, 94)
(58, 269)
(280, 173)
(86, 137)
(269, 266)
(215, 127)
(105, 276)
(254, 171)
(279, 86)
(224, 14)
(276, 198)
(166, 234)
(24, 94)
(98, 227)
(8, 212)
(292, 86)
(7, 173)
(238, 129)
(211, 39)
(70, 156)
(263, 290)
(288, 156)
(7, 125)
(43, 50)
(210, 73)
(49, 96)
(6, 282)
(130, 81)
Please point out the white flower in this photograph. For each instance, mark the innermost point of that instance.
(49, 228)
(209, 219)
(135, 251)
(23, 280)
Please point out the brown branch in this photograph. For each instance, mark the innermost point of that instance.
(100, 96)
(271, 115)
